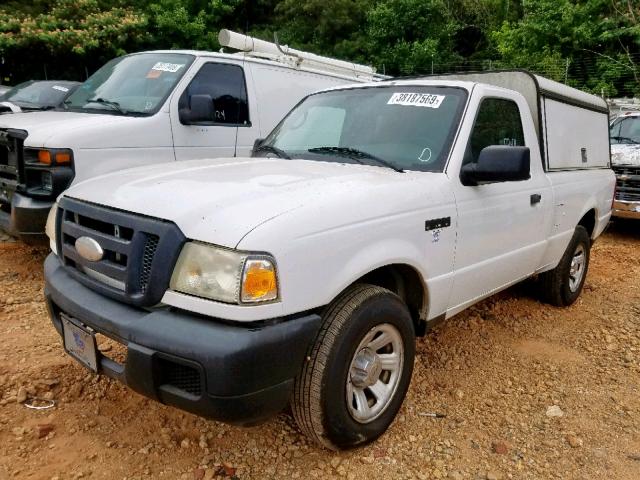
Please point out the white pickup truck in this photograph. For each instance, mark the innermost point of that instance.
(154, 107)
(304, 274)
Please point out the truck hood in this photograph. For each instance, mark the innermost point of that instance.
(625, 155)
(221, 200)
(69, 128)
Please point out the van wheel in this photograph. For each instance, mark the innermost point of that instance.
(562, 285)
(358, 369)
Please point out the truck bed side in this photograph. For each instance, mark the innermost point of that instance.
(579, 197)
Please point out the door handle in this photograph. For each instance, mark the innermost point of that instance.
(535, 198)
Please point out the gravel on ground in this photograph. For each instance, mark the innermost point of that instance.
(529, 392)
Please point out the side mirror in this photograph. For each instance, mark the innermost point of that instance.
(498, 164)
(201, 109)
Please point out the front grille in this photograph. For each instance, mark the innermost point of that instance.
(150, 247)
(627, 183)
(138, 252)
(10, 149)
(179, 376)
(11, 142)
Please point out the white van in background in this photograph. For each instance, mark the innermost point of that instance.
(153, 107)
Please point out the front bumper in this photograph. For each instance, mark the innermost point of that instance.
(625, 209)
(237, 374)
(25, 217)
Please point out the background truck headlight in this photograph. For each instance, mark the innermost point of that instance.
(224, 275)
(50, 227)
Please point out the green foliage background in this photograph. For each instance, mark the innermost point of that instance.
(591, 44)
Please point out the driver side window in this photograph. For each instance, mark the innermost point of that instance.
(498, 123)
(225, 84)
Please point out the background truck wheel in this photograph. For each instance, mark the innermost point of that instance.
(562, 285)
(359, 369)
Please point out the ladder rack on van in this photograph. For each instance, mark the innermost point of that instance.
(255, 47)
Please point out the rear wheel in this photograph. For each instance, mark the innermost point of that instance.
(562, 285)
(358, 369)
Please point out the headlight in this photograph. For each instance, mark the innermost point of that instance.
(50, 227)
(224, 275)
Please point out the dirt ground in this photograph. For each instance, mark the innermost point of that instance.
(528, 390)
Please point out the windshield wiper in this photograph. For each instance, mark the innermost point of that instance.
(270, 148)
(109, 103)
(626, 139)
(355, 154)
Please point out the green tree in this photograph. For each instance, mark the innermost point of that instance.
(594, 43)
(328, 27)
(190, 23)
(406, 36)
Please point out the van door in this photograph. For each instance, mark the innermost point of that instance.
(502, 226)
(226, 86)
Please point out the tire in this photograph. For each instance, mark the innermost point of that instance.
(561, 286)
(363, 316)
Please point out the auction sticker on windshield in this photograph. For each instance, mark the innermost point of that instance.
(409, 99)
(167, 67)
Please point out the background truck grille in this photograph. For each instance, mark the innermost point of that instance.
(627, 183)
(10, 151)
(139, 251)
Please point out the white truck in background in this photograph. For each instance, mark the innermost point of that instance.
(305, 273)
(155, 107)
(625, 161)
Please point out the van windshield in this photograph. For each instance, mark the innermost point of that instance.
(625, 130)
(401, 127)
(39, 94)
(132, 85)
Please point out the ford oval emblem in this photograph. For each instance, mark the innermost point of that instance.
(89, 249)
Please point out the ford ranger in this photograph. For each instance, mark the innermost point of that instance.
(303, 275)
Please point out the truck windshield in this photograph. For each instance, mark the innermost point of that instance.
(133, 85)
(625, 130)
(399, 127)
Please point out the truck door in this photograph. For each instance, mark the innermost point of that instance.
(225, 84)
(501, 231)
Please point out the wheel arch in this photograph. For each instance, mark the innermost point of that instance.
(406, 282)
(588, 221)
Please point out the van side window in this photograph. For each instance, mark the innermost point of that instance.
(498, 123)
(226, 85)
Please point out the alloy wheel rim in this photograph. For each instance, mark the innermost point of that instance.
(374, 373)
(577, 268)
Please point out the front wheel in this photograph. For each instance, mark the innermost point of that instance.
(358, 369)
(562, 285)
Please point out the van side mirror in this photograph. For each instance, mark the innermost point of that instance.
(201, 109)
(498, 163)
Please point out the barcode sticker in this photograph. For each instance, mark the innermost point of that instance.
(167, 67)
(409, 99)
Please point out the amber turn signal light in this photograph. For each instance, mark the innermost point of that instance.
(63, 158)
(44, 157)
(259, 283)
(51, 157)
